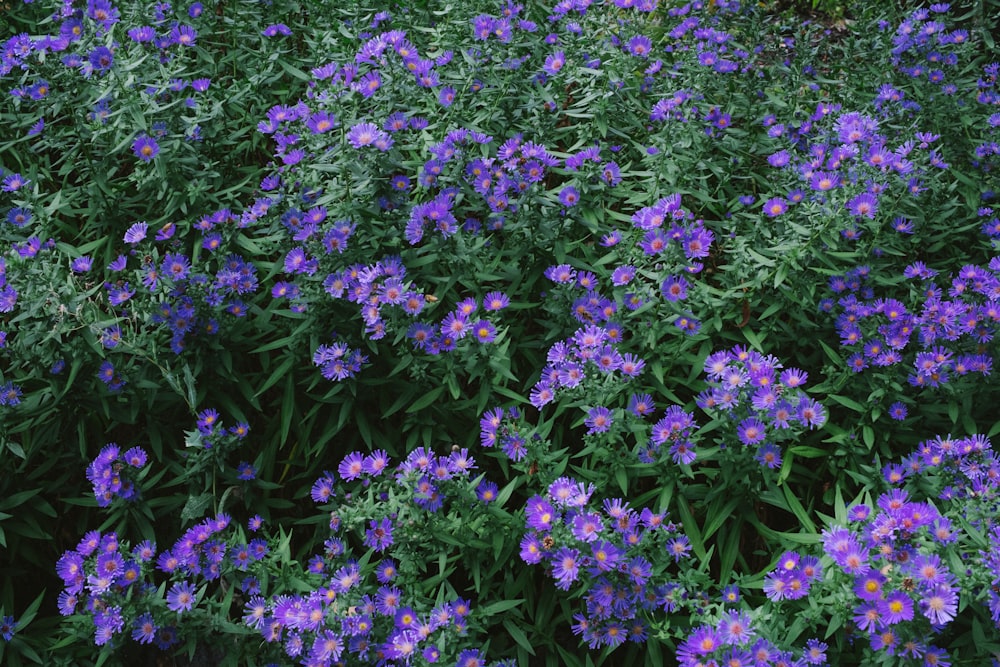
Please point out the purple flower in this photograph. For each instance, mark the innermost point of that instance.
(494, 301)
(569, 196)
(276, 29)
(640, 45)
(321, 122)
(751, 431)
(365, 134)
(531, 550)
(623, 275)
(487, 491)
(446, 96)
(539, 514)
(180, 597)
(352, 466)
(896, 607)
(775, 206)
(207, 420)
(679, 547)
(136, 233)
(565, 567)
(939, 604)
(19, 217)
(674, 288)
(82, 264)
(379, 534)
(145, 629)
(598, 420)
(865, 204)
(101, 59)
(554, 62)
(484, 331)
(145, 147)
(7, 627)
(769, 455)
(14, 182)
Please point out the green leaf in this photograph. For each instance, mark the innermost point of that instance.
(425, 400)
(868, 435)
(849, 403)
(499, 606)
(195, 506)
(517, 634)
(691, 528)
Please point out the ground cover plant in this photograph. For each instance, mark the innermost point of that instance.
(556, 332)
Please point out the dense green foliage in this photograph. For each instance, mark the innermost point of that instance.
(322, 326)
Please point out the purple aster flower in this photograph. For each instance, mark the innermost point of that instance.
(276, 29)
(569, 196)
(554, 63)
(897, 606)
(864, 204)
(640, 45)
(19, 217)
(181, 597)
(379, 534)
(494, 301)
(539, 514)
(82, 264)
(321, 122)
(775, 206)
(769, 455)
(101, 59)
(13, 182)
(484, 331)
(365, 134)
(145, 147)
(352, 466)
(623, 275)
(144, 629)
(674, 288)
(136, 233)
(679, 547)
(751, 431)
(939, 604)
(207, 420)
(487, 491)
(531, 550)
(565, 567)
(606, 556)
(811, 413)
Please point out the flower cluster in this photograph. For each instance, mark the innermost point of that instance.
(337, 361)
(902, 559)
(458, 324)
(376, 287)
(608, 551)
(662, 233)
(112, 471)
(363, 615)
(751, 392)
(501, 183)
(924, 47)
(114, 585)
(793, 577)
(950, 327)
(733, 640)
(591, 349)
(365, 609)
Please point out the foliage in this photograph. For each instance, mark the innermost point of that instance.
(706, 275)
